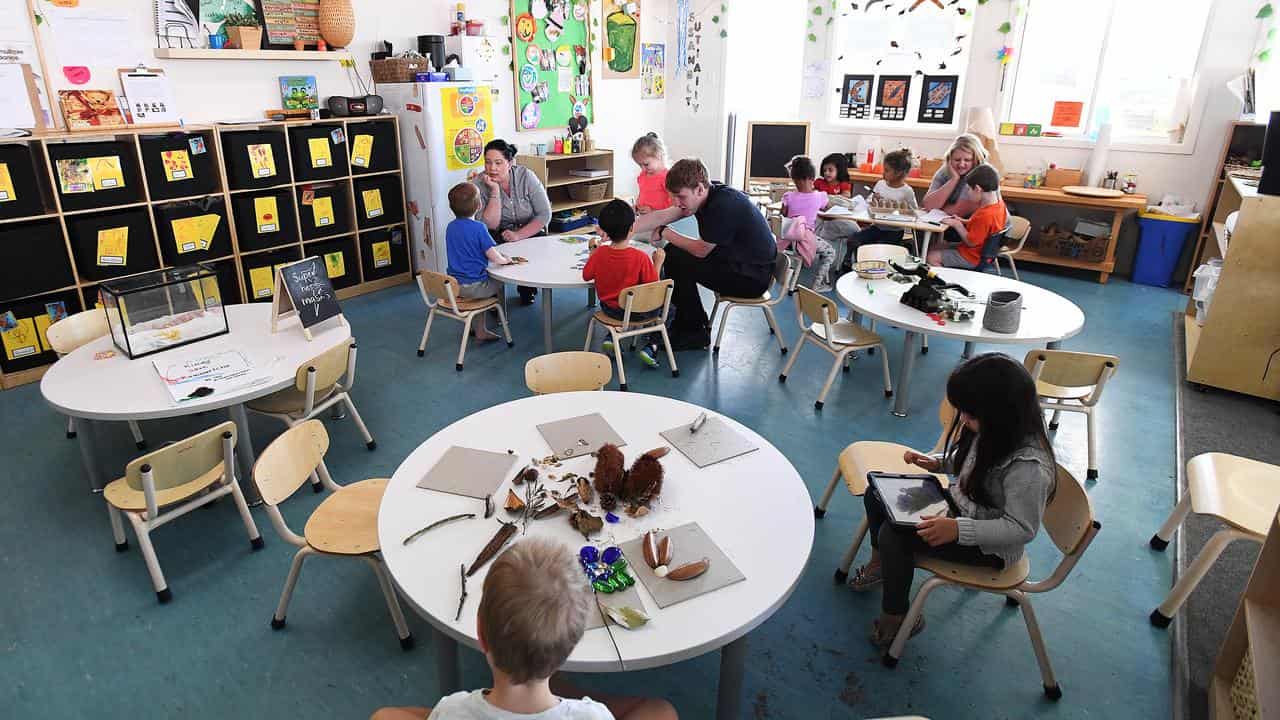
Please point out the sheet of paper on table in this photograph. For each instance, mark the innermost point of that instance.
(468, 472)
(580, 435)
(714, 442)
(689, 543)
(187, 377)
(932, 216)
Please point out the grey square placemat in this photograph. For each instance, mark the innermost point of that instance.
(689, 543)
(714, 442)
(469, 472)
(627, 598)
(580, 435)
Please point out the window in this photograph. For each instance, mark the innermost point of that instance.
(1080, 63)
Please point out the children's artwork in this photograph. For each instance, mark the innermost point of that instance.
(653, 70)
(262, 282)
(262, 160)
(267, 213)
(113, 247)
(177, 165)
(8, 321)
(106, 171)
(299, 92)
(372, 203)
(335, 265)
(528, 77)
(361, 150)
(196, 143)
(56, 311)
(693, 63)
(7, 193)
(90, 109)
(19, 337)
(74, 176)
(322, 211)
(622, 38)
(195, 233)
(555, 42)
(891, 97)
(938, 99)
(855, 96)
(381, 254)
(320, 155)
(467, 118)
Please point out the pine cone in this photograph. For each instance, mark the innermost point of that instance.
(608, 502)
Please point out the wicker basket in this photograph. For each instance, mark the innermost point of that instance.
(584, 192)
(397, 69)
(872, 269)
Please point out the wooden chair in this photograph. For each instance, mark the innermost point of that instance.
(170, 482)
(567, 372)
(345, 525)
(1240, 492)
(1015, 236)
(446, 303)
(1072, 381)
(76, 330)
(840, 338)
(318, 385)
(888, 253)
(785, 268)
(637, 299)
(1069, 521)
(860, 458)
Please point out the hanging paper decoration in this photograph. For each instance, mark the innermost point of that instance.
(1004, 54)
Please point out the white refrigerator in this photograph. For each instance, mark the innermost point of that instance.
(443, 129)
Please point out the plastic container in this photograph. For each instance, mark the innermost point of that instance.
(1159, 247)
(1206, 281)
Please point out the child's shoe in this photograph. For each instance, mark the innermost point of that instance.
(647, 356)
(606, 346)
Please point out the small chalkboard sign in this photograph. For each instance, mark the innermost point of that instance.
(303, 289)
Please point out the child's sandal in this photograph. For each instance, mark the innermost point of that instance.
(865, 579)
(882, 637)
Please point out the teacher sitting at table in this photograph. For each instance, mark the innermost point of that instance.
(947, 190)
(734, 256)
(514, 204)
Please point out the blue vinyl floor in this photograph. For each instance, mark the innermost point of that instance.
(81, 635)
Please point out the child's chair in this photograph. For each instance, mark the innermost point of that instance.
(567, 372)
(444, 289)
(785, 269)
(637, 299)
(318, 385)
(840, 338)
(1015, 236)
(177, 479)
(1240, 492)
(74, 331)
(1072, 381)
(344, 525)
(1069, 521)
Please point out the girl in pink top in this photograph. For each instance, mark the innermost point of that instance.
(803, 205)
(650, 154)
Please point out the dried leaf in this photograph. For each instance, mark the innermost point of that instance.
(514, 503)
(626, 616)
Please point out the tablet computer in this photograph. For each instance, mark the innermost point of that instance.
(910, 498)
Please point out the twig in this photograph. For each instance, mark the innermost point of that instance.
(436, 524)
(488, 506)
(462, 571)
(595, 597)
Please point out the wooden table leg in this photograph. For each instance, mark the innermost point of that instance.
(1110, 258)
(733, 662)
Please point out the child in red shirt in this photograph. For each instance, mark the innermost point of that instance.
(835, 176)
(991, 217)
(617, 266)
(650, 154)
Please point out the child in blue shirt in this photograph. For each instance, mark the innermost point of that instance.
(470, 248)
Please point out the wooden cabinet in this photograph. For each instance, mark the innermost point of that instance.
(1244, 678)
(1243, 142)
(567, 191)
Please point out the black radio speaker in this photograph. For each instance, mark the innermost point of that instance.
(355, 106)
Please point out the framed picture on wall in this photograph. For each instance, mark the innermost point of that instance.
(891, 97)
(938, 99)
(855, 96)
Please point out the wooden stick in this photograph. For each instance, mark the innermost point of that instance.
(436, 524)
(462, 570)
(55, 110)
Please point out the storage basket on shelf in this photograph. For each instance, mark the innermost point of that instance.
(397, 69)
(586, 192)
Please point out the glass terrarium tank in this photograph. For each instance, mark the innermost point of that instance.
(164, 309)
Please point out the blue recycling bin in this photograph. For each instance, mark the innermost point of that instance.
(1159, 246)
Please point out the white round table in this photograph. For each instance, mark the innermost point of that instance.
(554, 262)
(754, 506)
(1047, 318)
(119, 389)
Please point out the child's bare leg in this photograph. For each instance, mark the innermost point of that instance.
(401, 713)
(480, 329)
(935, 258)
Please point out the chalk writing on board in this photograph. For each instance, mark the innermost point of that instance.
(309, 289)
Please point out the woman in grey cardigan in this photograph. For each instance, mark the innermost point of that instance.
(513, 202)
(1004, 467)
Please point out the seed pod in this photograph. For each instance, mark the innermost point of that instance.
(584, 490)
(665, 550)
(690, 570)
(636, 511)
(491, 549)
(649, 546)
(514, 503)
(529, 475)
(658, 452)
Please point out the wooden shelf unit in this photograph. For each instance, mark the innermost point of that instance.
(553, 171)
(1255, 629)
(67, 281)
(235, 54)
(1243, 139)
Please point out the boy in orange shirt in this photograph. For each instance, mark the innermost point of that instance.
(616, 266)
(990, 218)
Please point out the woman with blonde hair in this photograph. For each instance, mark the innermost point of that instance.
(947, 190)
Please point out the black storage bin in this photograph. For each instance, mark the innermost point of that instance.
(257, 236)
(33, 259)
(31, 348)
(383, 155)
(265, 261)
(140, 254)
(349, 268)
(304, 160)
(199, 178)
(240, 171)
(27, 196)
(228, 281)
(396, 243)
(75, 165)
(387, 189)
(318, 224)
(190, 215)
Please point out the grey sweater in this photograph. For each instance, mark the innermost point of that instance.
(1019, 486)
(527, 202)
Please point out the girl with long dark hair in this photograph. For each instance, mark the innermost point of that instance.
(1004, 470)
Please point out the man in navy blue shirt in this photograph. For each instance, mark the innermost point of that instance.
(734, 256)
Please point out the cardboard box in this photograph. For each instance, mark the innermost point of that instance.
(930, 166)
(1062, 177)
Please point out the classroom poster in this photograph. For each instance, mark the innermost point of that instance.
(320, 155)
(621, 38)
(361, 149)
(262, 160)
(20, 338)
(381, 254)
(468, 124)
(653, 70)
(938, 99)
(267, 213)
(177, 165)
(335, 265)
(891, 97)
(113, 246)
(855, 96)
(322, 211)
(372, 203)
(6, 184)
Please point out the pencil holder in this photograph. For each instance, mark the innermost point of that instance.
(1004, 312)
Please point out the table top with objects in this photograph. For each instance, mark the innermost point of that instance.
(554, 261)
(755, 507)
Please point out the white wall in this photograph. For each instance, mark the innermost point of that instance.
(699, 133)
(210, 90)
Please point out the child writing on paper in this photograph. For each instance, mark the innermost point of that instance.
(891, 189)
(616, 266)
(983, 187)
(470, 249)
(801, 206)
(1004, 473)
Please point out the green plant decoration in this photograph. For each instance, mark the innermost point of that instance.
(1265, 11)
(813, 38)
(1005, 27)
(817, 9)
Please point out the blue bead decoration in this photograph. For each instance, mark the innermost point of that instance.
(611, 518)
(611, 555)
(589, 553)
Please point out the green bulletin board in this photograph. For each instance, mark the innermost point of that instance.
(551, 62)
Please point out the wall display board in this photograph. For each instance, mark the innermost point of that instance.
(551, 58)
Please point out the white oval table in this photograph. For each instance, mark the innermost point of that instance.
(118, 389)
(1047, 318)
(754, 506)
(555, 262)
